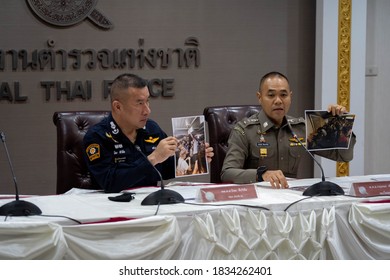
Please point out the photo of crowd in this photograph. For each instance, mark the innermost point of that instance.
(324, 131)
(191, 154)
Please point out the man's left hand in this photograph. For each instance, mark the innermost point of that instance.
(337, 109)
(209, 152)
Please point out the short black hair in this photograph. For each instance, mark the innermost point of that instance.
(125, 81)
(270, 75)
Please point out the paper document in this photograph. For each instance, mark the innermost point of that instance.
(294, 184)
(325, 131)
(190, 157)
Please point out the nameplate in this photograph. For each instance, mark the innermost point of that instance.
(226, 193)
(370, 188)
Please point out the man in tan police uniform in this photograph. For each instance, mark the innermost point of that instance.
(262, 147)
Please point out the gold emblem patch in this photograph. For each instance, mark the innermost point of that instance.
(295, 140)
(93, 152)
(152, 140)
(110, 136)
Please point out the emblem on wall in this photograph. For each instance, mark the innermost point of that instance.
(69, 12)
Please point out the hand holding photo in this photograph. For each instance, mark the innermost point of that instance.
(325, 131)
(191, 153)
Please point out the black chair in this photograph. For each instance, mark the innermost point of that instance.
(221, 120)
(72, 171)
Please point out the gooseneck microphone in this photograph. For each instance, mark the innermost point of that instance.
(323, 188)
(162, 196)
(16, 207)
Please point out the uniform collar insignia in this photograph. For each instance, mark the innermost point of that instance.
(114, 128)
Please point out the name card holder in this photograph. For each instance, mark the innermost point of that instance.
(226, 193)
(371, 188)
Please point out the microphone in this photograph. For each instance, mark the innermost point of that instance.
(323, 188)
(162, 196)
(16, 207)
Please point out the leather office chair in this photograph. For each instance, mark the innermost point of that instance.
(72, 172)
(221, 120)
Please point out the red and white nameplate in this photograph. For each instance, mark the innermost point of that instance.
(227, 192)
(371, 188)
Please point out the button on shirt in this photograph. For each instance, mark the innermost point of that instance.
(115, 163)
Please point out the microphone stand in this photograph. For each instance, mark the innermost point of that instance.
(162, 196)
(17, 207)
(323, 188)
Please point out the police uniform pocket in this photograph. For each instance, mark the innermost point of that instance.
(294, 157)
(267, 157)
(149, 148)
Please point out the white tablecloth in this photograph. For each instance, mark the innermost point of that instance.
(337, 227)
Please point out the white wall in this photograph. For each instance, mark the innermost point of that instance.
(327, 71)
(377, 133)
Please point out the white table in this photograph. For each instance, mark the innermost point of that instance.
(335, 227)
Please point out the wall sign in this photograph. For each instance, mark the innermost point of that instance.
(52, 59)
(67, 13)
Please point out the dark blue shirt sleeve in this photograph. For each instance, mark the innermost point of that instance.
(116, 173)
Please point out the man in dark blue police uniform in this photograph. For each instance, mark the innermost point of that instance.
(111, 146)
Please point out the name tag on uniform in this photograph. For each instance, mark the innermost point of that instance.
(262, 144)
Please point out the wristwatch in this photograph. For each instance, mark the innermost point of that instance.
(260, 171)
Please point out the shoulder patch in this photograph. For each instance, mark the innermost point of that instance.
(93, 151)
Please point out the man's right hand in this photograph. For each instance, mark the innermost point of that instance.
(165, 149)
(276, 178)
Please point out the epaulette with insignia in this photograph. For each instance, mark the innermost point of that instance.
(241, 125)
(247, 122)
(239, 129)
